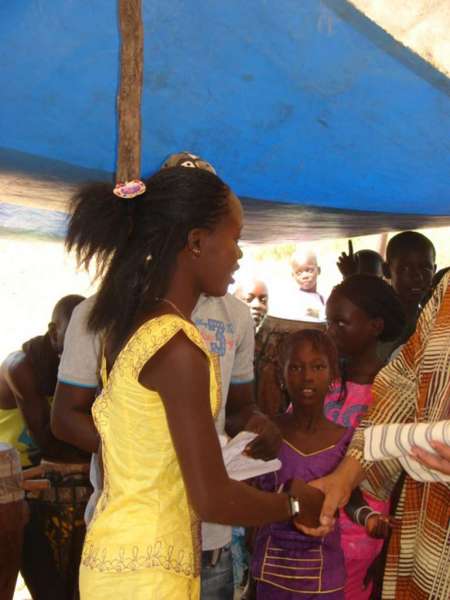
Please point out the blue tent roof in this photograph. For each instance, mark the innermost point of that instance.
(302, 103)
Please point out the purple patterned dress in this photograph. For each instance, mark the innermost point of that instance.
(287, 564)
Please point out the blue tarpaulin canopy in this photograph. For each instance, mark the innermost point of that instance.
(312, 112)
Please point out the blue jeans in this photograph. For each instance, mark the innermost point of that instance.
(217, 580)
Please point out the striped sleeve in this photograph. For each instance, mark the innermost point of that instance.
(396, 391)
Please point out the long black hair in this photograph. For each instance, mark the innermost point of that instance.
(135, 242)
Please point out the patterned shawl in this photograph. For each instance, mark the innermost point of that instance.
(415, 387)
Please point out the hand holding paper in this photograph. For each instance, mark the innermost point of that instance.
(240, 466)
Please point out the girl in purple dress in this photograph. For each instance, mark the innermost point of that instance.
(286, 563)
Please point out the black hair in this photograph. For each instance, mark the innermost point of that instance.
(408, 240)
(64, 307)
(135, 242)
(377, 299)
(319, 340)
(369, 262)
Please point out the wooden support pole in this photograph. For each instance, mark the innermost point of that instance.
(130, 91)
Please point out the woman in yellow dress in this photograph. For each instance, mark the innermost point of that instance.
(163, 468)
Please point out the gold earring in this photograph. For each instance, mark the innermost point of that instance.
(196, 252)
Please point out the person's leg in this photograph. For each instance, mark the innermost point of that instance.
(12, 519)
(71, 539)
(240, 557)
(217, 577)
(54, 538)
(38, 565)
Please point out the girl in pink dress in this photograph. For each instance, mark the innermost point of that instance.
(362, 311)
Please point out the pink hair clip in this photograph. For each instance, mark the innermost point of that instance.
(130, 189)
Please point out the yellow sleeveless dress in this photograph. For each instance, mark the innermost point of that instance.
(144, 540)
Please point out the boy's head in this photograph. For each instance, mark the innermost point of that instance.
(255, 294)
(305, 270)
(60, 320)
(369, 262)
(410, 266)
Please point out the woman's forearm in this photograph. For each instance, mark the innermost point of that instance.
(237, 503)
(350, 472)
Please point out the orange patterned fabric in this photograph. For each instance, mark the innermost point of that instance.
(415, 387)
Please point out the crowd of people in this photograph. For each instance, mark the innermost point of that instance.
(122, 404)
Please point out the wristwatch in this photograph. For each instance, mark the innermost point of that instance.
(294, 506)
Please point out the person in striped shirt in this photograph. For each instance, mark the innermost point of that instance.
(415, 387)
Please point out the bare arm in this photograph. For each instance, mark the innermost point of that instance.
(376, 524)
(242, 413)
(7, 399)
(34, 407)
(71, 419)
(78, 380)
(240, 407)
(214, 496)
(347, 263)
(337, 488)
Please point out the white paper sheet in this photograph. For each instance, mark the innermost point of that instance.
(238, 465)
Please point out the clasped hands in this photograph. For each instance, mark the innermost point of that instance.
(336, 489)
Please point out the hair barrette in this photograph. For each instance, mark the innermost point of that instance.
(129, 189)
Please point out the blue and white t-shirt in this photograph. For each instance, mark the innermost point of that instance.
(227, 327)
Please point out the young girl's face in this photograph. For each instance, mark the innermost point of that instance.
(351, 329)
(307, 374)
